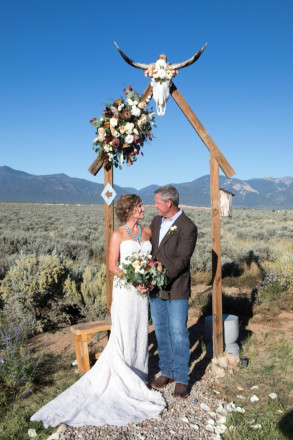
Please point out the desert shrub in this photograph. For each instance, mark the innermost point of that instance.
(33, 293)
(91, 293)
(18, 368)
(277, 281)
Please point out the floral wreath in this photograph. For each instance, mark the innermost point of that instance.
(122, 130)
(160, 72)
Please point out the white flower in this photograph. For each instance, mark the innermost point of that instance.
(110, 157)
(114, 110)
(129, 139)
(151, 116)
(108, 148)
(129, 126)
(273, 396)
(129, 101)
(254, 398)
(114, 122)
(162, 73)
(101, 119)
(120, 107)
(135, 111)
(135, 131)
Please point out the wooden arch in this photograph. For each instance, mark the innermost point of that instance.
(217, 160)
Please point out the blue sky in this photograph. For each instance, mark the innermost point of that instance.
(59, 65)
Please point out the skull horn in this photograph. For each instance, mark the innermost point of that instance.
(129, 61)
(189, 61)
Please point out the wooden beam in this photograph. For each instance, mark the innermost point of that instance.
(201, 131)
(216, 259)
(96, 166)
(148, 92)
(109, 228)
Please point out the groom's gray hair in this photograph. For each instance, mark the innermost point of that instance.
(169, 192)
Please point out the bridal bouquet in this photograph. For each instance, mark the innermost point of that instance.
(143, 270)
(122, 130)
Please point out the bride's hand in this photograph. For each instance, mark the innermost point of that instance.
(142, 288)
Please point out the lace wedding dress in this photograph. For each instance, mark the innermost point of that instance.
(114, 391)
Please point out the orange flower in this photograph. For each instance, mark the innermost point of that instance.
(107, 124)
(117, 102)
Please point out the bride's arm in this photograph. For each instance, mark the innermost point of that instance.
(114, 252)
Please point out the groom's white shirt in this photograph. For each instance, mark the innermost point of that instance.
(166, 225)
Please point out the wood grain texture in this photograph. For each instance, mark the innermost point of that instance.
(96, 166)
(216, 259)
(109, 228)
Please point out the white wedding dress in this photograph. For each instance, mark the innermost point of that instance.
(114, 391)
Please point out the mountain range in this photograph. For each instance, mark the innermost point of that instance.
(259, 193)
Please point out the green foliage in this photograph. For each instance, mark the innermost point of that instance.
(18, 368)
(33, 291)
(91, 293)
(277, 280)
(270, 368)
(66, 289)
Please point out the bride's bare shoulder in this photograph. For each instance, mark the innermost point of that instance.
(117, 235)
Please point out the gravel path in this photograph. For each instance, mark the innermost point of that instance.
(181, 420)
(184, 419)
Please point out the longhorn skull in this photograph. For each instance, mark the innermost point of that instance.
(161, 74)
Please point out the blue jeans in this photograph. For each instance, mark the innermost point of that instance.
(170, 323)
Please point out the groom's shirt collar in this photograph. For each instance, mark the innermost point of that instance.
(166, 224)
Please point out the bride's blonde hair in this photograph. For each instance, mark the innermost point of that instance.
(125, 206)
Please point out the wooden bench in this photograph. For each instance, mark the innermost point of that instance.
(83, 333)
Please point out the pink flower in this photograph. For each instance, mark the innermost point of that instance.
(115, 143)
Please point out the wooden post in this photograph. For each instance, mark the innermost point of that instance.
(201, 131)
(109, 228)
(216, 259)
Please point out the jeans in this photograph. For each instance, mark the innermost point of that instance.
(170, 323)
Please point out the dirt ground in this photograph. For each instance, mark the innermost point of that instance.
(62, 341)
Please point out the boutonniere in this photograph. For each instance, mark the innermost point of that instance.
(173, 230)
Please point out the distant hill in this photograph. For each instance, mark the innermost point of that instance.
(262, 193)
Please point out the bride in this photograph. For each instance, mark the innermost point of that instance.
(114, 391)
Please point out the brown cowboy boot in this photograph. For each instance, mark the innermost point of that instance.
(160, 382)
(181, 391)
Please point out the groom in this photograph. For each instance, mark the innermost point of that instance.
(173, 242)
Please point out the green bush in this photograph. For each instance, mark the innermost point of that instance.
(18, 368)
(33, 293)
(91, 293)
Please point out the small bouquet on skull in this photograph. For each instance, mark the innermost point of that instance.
(142, 270)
